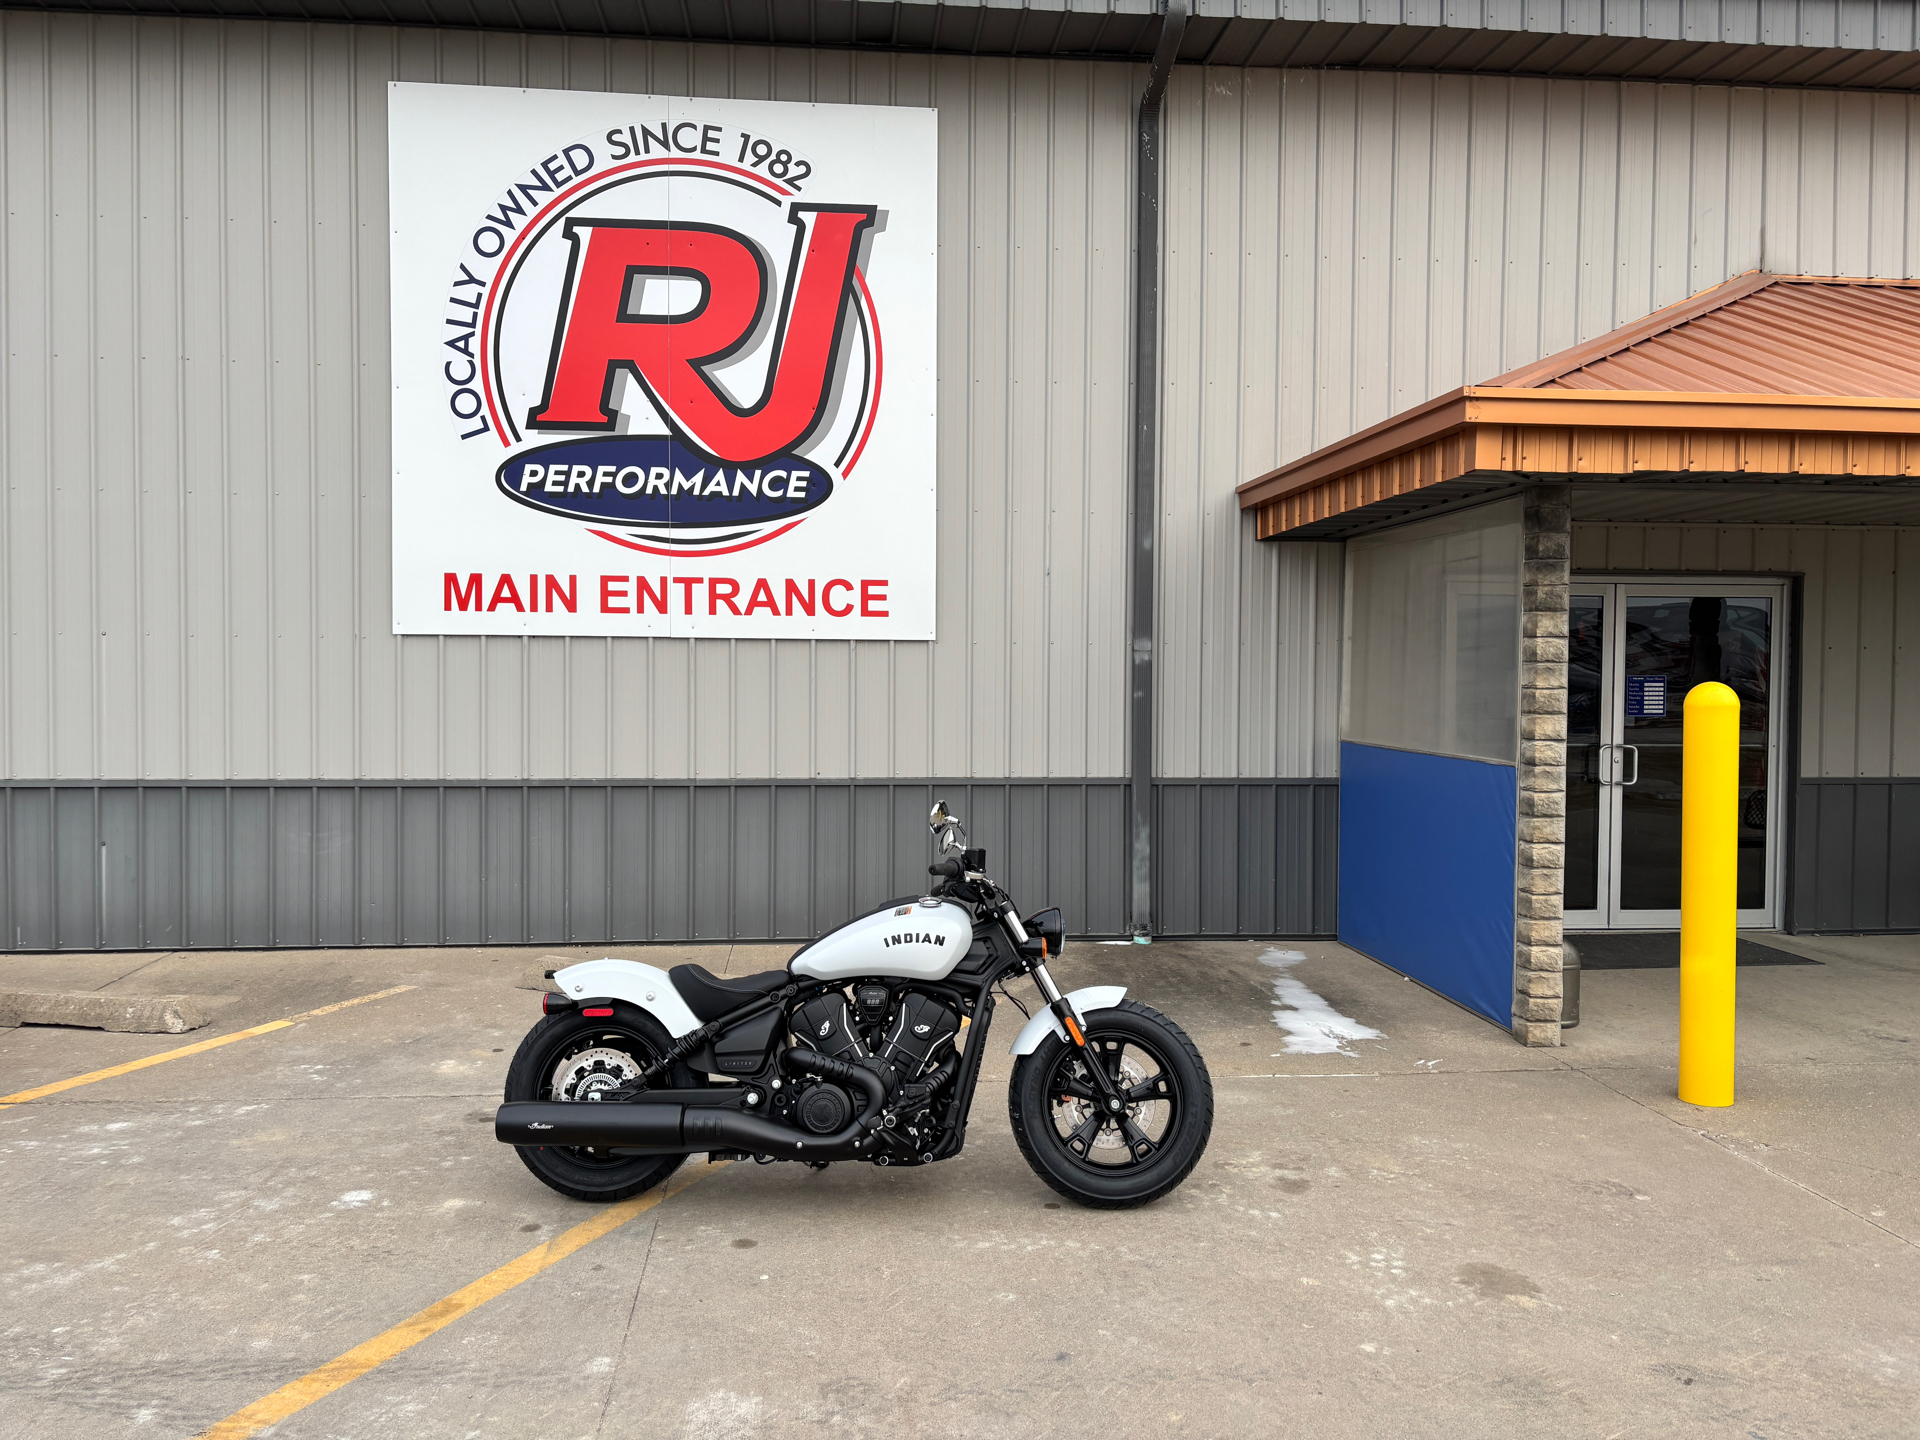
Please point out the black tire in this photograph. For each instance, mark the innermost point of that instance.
(1130, 1038)
(578, 1171)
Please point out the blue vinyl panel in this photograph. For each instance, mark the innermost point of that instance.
(1427, 871)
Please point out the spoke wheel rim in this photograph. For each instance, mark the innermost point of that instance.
(602, 1038)
(1098, 1142)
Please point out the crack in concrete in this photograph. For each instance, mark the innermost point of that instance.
(1722, 1145)
(167, 955)
(620, 1354)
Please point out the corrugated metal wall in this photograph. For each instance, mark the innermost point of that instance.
(1341, 246)
(1855, 856)
(144, 867)
(195, 522)
(1860, 610)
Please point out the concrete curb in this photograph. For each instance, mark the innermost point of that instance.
(169, 1015)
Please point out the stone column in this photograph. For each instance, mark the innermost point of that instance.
(1542, 773)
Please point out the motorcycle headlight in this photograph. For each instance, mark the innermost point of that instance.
(1050, 926)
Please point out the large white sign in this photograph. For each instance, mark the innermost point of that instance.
(661, 366)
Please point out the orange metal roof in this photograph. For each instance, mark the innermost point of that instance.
(1758, 334)
(1765, 375)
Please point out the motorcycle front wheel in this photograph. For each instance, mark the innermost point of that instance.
(1096, 1158)
(570, 1057)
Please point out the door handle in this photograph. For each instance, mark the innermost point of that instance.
(1626, 751)
(1602, 766)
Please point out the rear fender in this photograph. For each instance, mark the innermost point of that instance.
(1088, 998)
(644, 987)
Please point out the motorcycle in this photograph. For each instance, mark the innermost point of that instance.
(867, 1047)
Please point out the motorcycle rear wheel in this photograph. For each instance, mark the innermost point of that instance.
(1100, 1161)
(564, 1058)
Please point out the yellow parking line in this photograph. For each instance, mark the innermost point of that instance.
(297, 1395)
(195, 1049)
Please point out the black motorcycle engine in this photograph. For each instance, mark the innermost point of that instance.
(920, 1026)
(825, 1025)
(824, 1108)
(900, 1039)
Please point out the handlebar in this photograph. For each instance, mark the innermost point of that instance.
(949, 869)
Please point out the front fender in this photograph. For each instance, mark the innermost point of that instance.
(1088, 998)
(644, 986)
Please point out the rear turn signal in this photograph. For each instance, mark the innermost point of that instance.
(552, 1003)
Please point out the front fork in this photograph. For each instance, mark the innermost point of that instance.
(1104, 1085)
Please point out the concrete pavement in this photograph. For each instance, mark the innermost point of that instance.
(1436, 1232)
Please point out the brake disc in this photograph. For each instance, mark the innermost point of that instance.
(584, 1075)
(1075, 1111)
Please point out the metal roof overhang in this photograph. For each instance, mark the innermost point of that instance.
(1735, 53)
(1479, 442)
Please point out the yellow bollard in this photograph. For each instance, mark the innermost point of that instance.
(1710, 818)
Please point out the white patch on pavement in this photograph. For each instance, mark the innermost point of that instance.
(350, 1199)
(724, 1413)
(1313, 1027)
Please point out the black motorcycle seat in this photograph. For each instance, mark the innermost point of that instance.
(710, 996)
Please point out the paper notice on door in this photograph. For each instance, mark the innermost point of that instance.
(1647, 695)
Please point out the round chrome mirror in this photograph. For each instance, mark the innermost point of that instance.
(938, 817)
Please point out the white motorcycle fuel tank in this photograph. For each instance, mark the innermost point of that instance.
(923, 942)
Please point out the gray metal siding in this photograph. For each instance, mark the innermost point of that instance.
(194, 515)
(1855, 855)
(1860, 685)
(1340, 247)
(195, 523)
(150, 867)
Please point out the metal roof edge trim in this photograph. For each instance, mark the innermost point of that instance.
(1502, 405)
(1682, 48)
(1384, 438)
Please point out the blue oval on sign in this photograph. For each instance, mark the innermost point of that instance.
(653, 480)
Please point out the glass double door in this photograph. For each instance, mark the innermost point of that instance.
(1635, 649)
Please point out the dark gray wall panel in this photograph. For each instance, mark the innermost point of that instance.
(751, 870)
(163, 876)
(713, 854)
(587, 864)
(831, 856)
(502, 874)
(1252, 858)
(7, 932)
(462, 921)
(419, 866)
(250, 822)
(1316, 859)
(1855, 855)
(792, 846)
(76, 867)
(377, 876)
(259, 865)
(206, 866)
(30, 857)
(293, 866)
(628, 836)
(548, 873)
(670, 871)
(336, 916)
(119, 867)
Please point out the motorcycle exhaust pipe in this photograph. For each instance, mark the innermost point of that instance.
(654, 1130)
(669, 1129)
